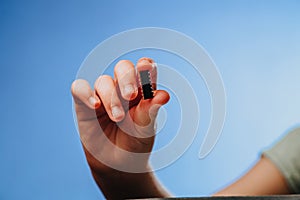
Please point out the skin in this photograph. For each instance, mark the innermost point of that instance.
(262, 179)
(105, 107)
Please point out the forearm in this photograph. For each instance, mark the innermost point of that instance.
(122, 185)
(263, 179)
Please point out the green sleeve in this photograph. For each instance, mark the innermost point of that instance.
(286, 157)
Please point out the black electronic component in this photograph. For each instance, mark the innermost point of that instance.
(146, 84)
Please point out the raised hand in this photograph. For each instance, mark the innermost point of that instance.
(114, 120)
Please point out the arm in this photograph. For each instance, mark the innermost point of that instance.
(115, 124)
(277, 172)
(263, 179)
(116, 184)
(97, 120)
(122, 185)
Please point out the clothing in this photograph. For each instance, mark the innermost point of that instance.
(286, 157)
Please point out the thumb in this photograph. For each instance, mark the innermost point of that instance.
(146, 111)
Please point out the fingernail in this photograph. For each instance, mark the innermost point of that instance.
(128, 90)
(154, 65)
(145, 62)
(116, 112)
(93, 101)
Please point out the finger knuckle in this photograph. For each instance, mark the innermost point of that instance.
(123, 66)
(101, 80)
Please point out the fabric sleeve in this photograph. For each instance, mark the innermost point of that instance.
(286, 157)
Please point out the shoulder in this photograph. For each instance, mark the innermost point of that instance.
(285, 155)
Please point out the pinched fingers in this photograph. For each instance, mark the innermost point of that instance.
(108, 90)
(149, 65)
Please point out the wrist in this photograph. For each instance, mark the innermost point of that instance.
(120, 178)
(120, 185)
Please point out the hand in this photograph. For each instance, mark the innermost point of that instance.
(115, 111)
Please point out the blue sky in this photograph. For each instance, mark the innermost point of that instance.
(255, 45)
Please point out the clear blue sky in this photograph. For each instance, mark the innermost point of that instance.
(255, 44)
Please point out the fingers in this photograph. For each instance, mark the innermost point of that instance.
(107, 91)
(148, 64)
(83, 94)
(125, 75)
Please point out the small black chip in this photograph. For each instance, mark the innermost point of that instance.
(146, 84)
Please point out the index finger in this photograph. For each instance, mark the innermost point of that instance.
(148, 64)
